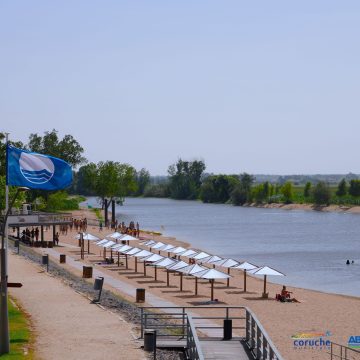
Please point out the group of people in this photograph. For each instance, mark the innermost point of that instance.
(285, 296)
(31, 237)
(79, 224)
(133, 229)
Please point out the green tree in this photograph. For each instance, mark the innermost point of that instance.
(67, 148)
(307, 189)
(142, 180)
(218, 188)
(17, 144)
(342, 188)
(87, 179)
(241, 193)
(21, 198)
(114, 180)
(321, 193)
(185, 179)
(354, 189)
(287, 192)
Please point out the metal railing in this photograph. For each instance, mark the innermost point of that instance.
(171, 322)
(258, 340)
(341, 352)
(192, 341)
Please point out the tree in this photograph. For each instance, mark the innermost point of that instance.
(185, 179)
(354, 189)
(67, 149)
(86, 179)
(17, 144)
(287, 192)
(342, 188)
(142, 180)
(242, 192)
(321, 193)
(218, 188)
(307, 189)
(114, 180)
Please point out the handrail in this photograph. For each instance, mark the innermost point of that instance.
(192, 341)
(343, 352)
(258, 339)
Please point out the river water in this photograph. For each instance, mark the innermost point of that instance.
(310, 247)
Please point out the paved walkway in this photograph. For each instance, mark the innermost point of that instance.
(66, 325)
(234, 347)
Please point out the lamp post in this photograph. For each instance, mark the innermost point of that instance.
(4, 318)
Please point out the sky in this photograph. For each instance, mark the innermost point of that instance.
(267, 87)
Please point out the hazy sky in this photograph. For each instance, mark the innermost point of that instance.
(256, 86)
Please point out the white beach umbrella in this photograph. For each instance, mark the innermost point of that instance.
(191, 270)
(227, 263)
(87, 236)
(245, 266)
(168, 247)
(123, 249)
(212, 259)
(212, 275)
(115, 235)
(176, 267)
(152, 258)
(189, 253)
(148, 242)
(117, 246)
(178, 250)
(201, 255)
(157, 246)
(109, 244)
(165, 262)
(127, 237)
(266, 270)
(142, 254)
(132, 252)
(99, 243)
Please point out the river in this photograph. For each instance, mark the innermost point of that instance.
(310, 247)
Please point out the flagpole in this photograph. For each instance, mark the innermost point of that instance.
(4, 317)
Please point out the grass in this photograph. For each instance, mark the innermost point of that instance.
(20, 334)
(98, 214)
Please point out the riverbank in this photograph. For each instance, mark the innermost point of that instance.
(308, 207)
(316, 312)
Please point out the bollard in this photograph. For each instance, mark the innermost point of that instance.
(62, 258)
(17, 245)
(45, 261)
(98, 285)
(227, 329)
(140, 295)
(87, 272)
(150, 340)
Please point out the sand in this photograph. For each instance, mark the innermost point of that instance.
(66, 325)
(316, 312)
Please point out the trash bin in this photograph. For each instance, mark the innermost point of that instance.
(50, 244)
(227, 329)
(45, 259)
(87, 272)
(149, 340)
(62, 258)
(140, 295)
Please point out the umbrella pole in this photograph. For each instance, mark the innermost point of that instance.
(228, 279)
(244, 280)
(118, 259)
(155, 273)
(126, 261)
(167, 278)
(104, 253)
(144, 268)
(181, 281)
(264, 294)
(88, 247)
(111, 256)
(196, 285)
(135, 264)
(212, 289)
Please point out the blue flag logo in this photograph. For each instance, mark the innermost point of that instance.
(36, 171)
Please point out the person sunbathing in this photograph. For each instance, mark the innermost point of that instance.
(285, 296)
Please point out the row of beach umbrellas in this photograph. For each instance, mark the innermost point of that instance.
(175, 264)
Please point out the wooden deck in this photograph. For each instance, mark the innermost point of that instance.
(213, 349)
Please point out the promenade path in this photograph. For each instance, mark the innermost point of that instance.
(66, 325)
(219, 349)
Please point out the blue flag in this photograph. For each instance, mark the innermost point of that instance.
(36, 171)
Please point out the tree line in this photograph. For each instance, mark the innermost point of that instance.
(186, 180)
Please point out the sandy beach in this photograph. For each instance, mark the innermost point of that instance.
(316, 311)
